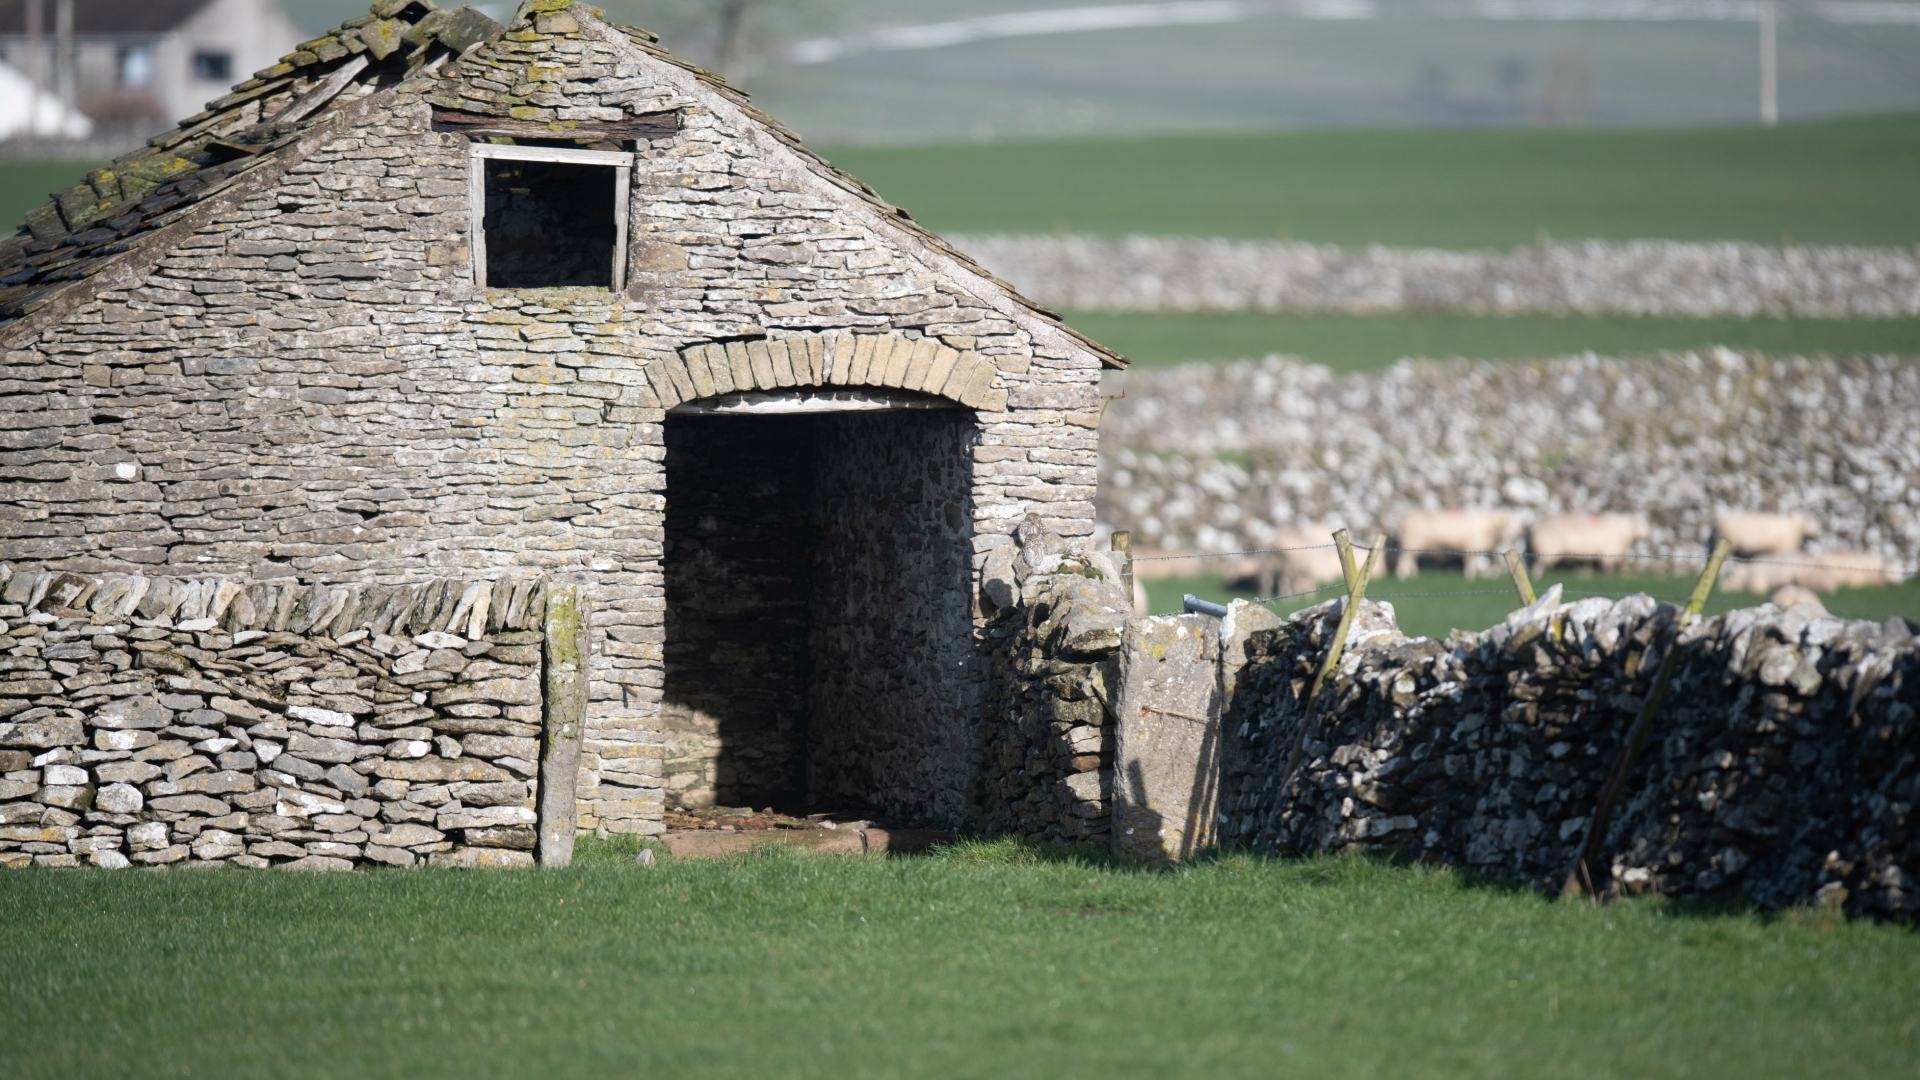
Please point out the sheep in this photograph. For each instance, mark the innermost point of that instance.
(1764, 534)
(1452, 530)
(1304, 558)
(1606, 539)
(1822, 572)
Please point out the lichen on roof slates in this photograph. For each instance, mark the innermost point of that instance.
(79, 228)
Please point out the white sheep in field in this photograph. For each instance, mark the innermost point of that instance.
(1304, 558)
(1753, 533)
(1604, 539)
(1444, 531)
(1821, 573)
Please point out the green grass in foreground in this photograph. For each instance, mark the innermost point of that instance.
(989, 960)
(1371, 342)
(1829, 182)
(1494, 597)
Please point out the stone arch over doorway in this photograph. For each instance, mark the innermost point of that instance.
(829, 361)
(818, 652)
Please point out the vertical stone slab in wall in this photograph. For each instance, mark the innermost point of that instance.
(1167, 746)
(564, 656)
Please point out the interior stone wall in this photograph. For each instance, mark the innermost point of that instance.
(897, 683)
(739, 517)
(819, 648)
(300, 377)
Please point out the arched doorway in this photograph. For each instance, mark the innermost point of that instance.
(818, 650)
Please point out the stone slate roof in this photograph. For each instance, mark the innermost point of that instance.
(84, 227)
(67, 239)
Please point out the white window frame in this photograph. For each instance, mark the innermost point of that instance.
(481, 153)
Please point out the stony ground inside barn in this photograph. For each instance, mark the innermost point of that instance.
(987, 960)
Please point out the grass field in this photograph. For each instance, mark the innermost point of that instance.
(1371, 342)
(1488, 600)
(1830, 182)
(988, 961)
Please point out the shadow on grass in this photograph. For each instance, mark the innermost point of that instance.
(1307, 871)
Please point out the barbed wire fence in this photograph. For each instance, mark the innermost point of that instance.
(1892, 575)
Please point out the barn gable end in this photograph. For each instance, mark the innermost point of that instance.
(292, 372)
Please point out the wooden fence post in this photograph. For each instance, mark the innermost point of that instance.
(1580, 879)
(1123, 550)
(1518, 568)
(564, 708)
(1355, 592)
(1344, 543)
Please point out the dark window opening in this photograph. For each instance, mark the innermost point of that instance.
(549, 224)
(213, 66)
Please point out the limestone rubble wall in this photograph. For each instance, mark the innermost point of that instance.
(157, 721)
(1057, 620)
(1640, 277)
(1676, 438)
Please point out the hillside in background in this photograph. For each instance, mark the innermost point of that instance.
(1828, 182)
(919, 70)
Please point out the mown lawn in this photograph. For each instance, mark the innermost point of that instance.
(1829, 182)
(1481, 602)
(987, 961)
(1371, 342)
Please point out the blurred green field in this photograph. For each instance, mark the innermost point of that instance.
(1372, 342)
(1829, 182)
(1479, 603)
(987, 959)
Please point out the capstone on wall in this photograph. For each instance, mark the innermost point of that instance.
(304, 380)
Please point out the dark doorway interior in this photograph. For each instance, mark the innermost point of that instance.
(818, 648)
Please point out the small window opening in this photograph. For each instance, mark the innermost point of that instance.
(213, 66)
(543, 223)
(135, 64)
(549, 224)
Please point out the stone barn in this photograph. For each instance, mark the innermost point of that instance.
(435, 297)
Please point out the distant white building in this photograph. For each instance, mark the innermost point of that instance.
(138, 64)
(37, 114)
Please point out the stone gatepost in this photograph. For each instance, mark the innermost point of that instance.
(1177, 675)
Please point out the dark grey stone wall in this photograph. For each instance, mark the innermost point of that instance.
(897, 682)
(1784, 767)
(1057, 624)
(739, 595)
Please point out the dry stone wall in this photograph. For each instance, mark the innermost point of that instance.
(1676, 437)
(154, 721)
(300, 377)
(1783, 769)
(1642, 277)
(1058, 622)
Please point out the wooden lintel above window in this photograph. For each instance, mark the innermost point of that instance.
(654, 125)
